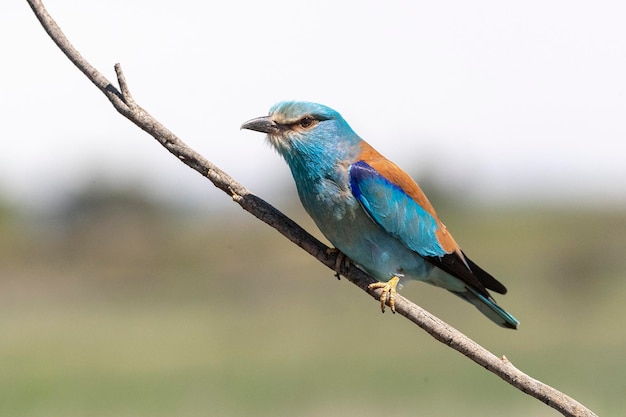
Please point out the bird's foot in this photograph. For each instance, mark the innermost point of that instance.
(388, 294)
(341, 261)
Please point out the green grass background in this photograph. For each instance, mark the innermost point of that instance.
(117, 307)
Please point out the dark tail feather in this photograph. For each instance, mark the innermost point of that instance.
(489, 308)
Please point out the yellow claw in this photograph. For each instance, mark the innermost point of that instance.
(389, 292)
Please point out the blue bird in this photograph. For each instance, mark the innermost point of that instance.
(371, 210)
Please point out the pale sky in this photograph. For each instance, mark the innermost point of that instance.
(503, 100)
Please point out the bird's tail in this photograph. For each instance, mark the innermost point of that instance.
(489, 308)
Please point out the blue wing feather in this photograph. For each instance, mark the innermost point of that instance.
(394, 210)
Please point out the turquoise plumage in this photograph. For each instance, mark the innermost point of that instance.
(370, 209)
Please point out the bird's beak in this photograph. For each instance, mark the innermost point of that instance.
(263, 124)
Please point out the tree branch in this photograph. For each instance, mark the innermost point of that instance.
(125, 104)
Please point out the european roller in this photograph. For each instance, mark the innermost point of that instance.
(371, 210)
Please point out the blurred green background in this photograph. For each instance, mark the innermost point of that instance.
(115, 305)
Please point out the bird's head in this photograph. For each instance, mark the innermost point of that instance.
(298, 130)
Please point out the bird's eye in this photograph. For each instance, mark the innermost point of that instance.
(306, 122)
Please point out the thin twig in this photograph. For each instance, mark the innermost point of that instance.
(125, 104)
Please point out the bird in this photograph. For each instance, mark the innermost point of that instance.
(371, 210)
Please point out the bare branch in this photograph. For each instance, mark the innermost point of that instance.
(125, 104)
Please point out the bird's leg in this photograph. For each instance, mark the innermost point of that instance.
(389, 292)
(341, 261)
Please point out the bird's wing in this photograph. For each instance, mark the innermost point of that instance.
(396, 203)
(392, 208)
